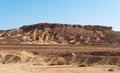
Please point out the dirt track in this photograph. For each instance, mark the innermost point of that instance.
(60, 47)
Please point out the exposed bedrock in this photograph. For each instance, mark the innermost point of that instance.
(54, 33)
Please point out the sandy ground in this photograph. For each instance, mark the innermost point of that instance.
(28, 68)
(36, 68)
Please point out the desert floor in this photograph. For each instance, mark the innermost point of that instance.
(37, 68)
(28, 68)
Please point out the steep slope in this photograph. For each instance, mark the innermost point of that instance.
(53, 33)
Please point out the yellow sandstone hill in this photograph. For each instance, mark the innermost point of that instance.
(54, 33)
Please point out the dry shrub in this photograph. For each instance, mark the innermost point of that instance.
(15, 57)
(83, 65)
(35, 53)
(38, 60)
(10, 58)
(111, 69)
(59, 61)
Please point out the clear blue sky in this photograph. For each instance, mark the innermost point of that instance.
(16, 13)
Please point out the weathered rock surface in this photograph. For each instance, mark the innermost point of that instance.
(53, 33)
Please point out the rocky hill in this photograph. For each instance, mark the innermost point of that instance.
(53, 33)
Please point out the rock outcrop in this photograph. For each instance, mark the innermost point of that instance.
(53, 33)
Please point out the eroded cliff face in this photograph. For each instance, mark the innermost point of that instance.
(49, 33)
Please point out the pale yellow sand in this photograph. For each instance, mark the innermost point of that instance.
(29, 68)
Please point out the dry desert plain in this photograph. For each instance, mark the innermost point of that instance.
(59, 59)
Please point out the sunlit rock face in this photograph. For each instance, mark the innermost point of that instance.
(54, 33)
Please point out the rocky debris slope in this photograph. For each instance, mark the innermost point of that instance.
(64, 58)
(53, 33)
